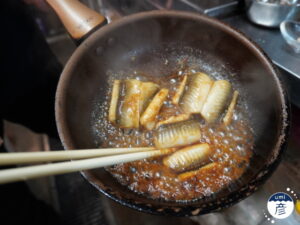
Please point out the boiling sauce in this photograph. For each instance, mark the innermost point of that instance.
(231, 148)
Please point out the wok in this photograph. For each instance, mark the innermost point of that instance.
(152, 38)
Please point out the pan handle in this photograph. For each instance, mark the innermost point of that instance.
(78, 19)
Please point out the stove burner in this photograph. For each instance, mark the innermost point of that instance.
(216, 8)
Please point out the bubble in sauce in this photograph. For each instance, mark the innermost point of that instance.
(164, 183)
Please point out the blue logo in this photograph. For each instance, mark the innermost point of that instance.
(280, 205)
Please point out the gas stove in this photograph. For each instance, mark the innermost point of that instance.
(217, 8)
(251, 210)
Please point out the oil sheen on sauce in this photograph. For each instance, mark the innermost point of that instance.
(232, 148)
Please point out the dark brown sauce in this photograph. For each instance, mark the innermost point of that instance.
(231, 149)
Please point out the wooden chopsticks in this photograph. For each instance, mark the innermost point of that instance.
(25, 173)
(53, 156)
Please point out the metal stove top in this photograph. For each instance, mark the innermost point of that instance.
(217, 8)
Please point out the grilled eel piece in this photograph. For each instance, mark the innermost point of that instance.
(216, 100)
(198, 87)
(177, 134)
(188, 157)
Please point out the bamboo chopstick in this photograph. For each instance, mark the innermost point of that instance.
(53, 156)
(25, 173)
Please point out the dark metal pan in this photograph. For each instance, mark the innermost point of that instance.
(153, 37)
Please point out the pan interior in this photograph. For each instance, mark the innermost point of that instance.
(144, 46)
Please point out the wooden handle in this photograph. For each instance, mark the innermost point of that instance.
(78, 19)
